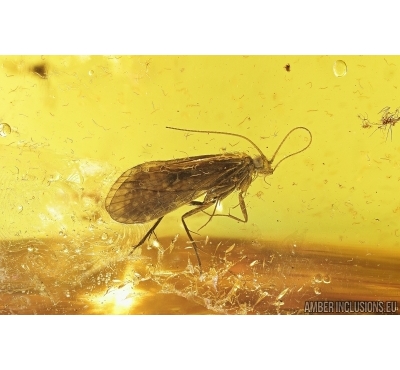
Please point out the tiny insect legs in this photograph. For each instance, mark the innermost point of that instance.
(386, 122)
(151, 190)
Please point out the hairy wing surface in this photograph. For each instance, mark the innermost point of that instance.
(153, 189)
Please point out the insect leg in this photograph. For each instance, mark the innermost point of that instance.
(242, 205)
(203, 207)
(199, 203)
(147, 235)
(191, 213)
(211, 216)
(196, 203)
(379, 127)
(387, 135)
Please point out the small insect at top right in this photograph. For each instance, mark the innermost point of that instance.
(386, 122)
(151, 190)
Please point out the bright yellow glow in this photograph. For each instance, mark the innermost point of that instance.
(117, 300)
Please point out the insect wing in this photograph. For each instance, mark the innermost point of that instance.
(153, 189)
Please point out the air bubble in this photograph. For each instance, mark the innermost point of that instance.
(91, 72)
(317, 290)
(104, 236)
(339, 68)
(318, 278)
(5, 129)
(326, 279)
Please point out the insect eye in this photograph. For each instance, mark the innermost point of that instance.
(258, 162)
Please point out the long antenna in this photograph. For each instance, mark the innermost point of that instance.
(221, 133)
(252, 143)
(284, 139)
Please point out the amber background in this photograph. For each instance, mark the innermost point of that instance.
(324, 226)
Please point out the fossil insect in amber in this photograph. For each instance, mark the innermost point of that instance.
(151, 190)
